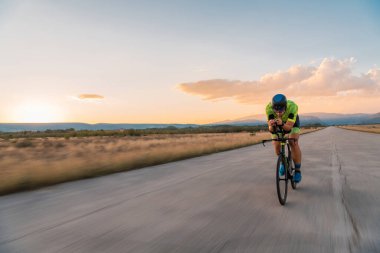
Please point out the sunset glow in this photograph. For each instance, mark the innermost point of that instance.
(185, 62)
(36, 113)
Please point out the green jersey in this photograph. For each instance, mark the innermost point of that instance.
(290, 113)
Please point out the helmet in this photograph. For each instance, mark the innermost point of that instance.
(279, 102)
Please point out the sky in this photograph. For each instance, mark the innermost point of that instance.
(185, 61)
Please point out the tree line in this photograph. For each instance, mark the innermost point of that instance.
(71, 132)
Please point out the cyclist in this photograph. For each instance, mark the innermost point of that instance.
(283, 112)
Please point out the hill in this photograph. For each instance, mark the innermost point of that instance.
(374, 119)
(327, 119)
(306, 119)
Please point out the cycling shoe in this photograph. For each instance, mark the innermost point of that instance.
(297, 177)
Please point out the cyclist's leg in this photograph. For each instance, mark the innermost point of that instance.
(296, 155)
(296, 151)
(294, 145)
(276, 145)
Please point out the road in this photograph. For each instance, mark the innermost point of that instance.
(224, 202)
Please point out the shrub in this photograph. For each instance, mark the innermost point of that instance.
(24, 143)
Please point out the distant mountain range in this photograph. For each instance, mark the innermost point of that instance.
(327, 119)
(16, 127)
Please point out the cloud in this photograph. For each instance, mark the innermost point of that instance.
(330, 78)
(88, 97)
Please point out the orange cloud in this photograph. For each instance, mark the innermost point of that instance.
(331, 78)
(90, 97)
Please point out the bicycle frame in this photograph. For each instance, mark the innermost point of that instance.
(285, 142)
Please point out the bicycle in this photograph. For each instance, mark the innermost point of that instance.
(285, 158)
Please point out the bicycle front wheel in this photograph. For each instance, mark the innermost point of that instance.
(281, 180)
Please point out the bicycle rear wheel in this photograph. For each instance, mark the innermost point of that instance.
(281, 181)
(294, 184)
(290, 168)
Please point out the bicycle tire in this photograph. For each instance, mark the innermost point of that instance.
(292, 183)
(281, 181)
(291, 168)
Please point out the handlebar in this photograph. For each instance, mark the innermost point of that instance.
(279, 129)
(280, 133)
(278, 139)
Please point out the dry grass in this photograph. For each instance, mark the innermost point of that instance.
(364, 128)
(30, 163)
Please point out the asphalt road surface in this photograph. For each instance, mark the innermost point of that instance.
(225, 202)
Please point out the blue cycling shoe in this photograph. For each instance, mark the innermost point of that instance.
(282, 169)
(297, 177)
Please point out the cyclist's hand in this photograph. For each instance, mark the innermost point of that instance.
(272, 122)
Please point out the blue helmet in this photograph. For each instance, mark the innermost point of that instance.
(279, 102)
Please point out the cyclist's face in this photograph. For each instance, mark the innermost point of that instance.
(279, 111)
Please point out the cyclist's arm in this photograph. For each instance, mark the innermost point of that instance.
(271, 123)
(288, 125)
(272, 128)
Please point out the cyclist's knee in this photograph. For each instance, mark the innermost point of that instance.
(277, 149)
(293, 143)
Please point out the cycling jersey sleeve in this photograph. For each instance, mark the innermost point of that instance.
(293, 112)
(269, 112)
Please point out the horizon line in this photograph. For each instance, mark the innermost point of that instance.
(78, 122)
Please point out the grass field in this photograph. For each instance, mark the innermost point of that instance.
(31, 163)
(364, 128)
